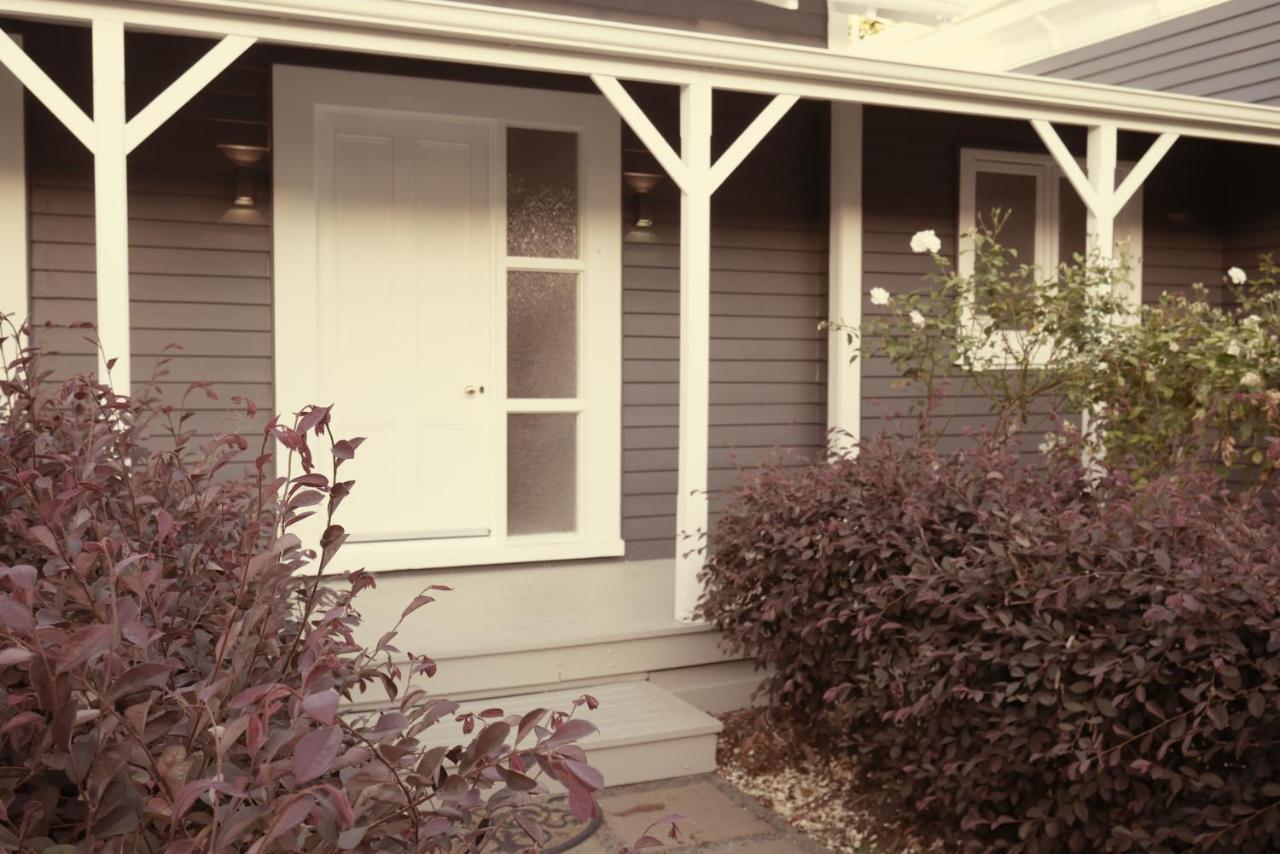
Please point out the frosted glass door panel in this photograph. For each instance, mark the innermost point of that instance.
(542, 193)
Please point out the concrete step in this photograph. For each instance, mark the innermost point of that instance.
(646, 733)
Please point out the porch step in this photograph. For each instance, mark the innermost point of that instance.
(645, 734)
(505, 631)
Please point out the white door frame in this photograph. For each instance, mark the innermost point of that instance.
(298, 94)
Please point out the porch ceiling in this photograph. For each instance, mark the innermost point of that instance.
(441, 30)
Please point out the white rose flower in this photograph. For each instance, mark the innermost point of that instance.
(1237, 276)
(1174, 347)
(1251, 322)
(1233, 348)
(879, 296)
(926, 241)
(1251, 380)
(917, 318)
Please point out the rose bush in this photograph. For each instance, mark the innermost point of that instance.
(174, 660)
(1193, 383)
(1009, 331)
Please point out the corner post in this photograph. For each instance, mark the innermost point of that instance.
(1100, 161)
(844, 374)
(111, 203)
(695, 346)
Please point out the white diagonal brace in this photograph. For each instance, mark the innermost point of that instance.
(1143, 169)
(182, 90)
(1070, 168)
(750, 138)
(635, 118)
(46, 91)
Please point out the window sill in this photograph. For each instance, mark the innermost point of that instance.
(437, 554)
(996, 355)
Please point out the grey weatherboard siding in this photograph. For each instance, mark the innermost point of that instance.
(204, 283)
(1230, 50)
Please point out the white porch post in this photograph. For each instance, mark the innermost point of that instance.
(14, 272)
(110, 136)
(695, 346)
(1100, 161)
(698, 178)
(844, 376)
(111, 204)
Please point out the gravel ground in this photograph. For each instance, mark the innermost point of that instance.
(827, 801)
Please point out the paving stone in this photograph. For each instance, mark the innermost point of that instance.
(771, 846)
(710, 815)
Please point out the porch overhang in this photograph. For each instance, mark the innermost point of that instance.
(608, 52)
(466, 33)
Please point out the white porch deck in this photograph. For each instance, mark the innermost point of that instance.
(519, 629)
(520, 637)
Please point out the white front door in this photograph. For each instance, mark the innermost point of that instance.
(405, 256)
(447, 274)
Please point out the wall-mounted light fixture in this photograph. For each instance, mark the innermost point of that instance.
(246, 159)
(640, 184)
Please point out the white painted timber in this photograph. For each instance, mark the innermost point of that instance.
(184, 89)
(715, 688)
(457, 324)
(645, 734)
(1067, 163)
(46, 91)
(111, 204)
(507, 629)
(844, 374)
(14, 273)
(1101, 161)
(695, 348)
(1141, 170)
(750, 138)
(463, 32)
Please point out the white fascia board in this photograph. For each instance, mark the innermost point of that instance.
(457, 32)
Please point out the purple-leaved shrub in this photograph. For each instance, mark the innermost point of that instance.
(1037, 657)
(170, 683)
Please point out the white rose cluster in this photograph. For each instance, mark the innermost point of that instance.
(926, 241)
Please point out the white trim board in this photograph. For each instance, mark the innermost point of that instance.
(299, 95)
(460, 32)
(1048, 174)
(15, 297)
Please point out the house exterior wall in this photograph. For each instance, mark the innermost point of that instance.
(1230, 51)
(745, 18)
(201, 271)
(911, 182)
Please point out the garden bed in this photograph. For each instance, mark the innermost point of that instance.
(829, 802)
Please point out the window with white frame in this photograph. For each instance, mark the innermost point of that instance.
(1046, 219)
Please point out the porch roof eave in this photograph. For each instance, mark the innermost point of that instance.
(468, 33)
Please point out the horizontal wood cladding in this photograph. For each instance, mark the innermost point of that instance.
(200, 272)
(912, 182)
(1231, 51)
(768, 294)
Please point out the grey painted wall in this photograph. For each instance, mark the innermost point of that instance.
(1229, 51)
(204, 283)
(911, 182)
